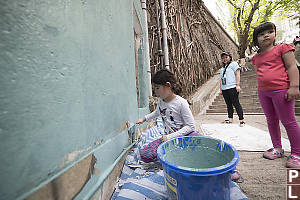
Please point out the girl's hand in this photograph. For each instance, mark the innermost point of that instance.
(292, 93)
(164, 138)
(140, 121)
(238, 88)
(221, 92)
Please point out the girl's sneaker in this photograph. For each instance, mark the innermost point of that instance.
(236, 177)
(273, 154)
(293, 161)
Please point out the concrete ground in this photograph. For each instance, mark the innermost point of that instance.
(264, 179)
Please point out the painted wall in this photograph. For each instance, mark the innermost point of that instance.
(67, 84)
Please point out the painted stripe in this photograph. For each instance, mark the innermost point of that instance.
(161, 189)
(149, 193)
(171, 187)
(130, 194)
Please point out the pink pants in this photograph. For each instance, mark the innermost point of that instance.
(276, 108)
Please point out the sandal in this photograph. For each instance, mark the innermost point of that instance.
(226, 121)
(273, 154)
(293, 161)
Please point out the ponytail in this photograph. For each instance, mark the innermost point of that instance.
(163, 76)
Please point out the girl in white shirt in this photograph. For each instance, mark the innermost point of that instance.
(173, 109)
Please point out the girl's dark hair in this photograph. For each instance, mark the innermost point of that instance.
(163, 76)
(261, 28)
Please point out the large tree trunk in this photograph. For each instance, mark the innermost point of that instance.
(243, 44)
(243, 32)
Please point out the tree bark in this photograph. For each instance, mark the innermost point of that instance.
(243, 33)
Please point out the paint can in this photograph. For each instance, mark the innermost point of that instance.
(197, 167)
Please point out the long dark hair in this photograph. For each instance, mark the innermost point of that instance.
(163, 76)
(261, 28)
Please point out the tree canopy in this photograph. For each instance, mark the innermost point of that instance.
(247, 14)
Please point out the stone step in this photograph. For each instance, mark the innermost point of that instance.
(246, 99)
(297, 110)
(248, 89)
(251, 79)
(246, 94)
(241, 97)
(245, 110)
(243, 102)
(248, 82)
(248, 79)
(250, 113)
(254, 84)
(244, 105)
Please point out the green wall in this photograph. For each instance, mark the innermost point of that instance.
(67, 82)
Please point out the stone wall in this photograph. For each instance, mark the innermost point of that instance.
(195, 42)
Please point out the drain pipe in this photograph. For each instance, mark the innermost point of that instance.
(144, 7)
(164, 34)
(159, 50)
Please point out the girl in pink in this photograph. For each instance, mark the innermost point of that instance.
(278, 87)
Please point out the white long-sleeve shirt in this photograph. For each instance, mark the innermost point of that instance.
(177, 117)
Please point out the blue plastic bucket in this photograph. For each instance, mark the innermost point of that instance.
(197, 167)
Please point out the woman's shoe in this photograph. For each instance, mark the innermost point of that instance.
(226, 121)
(273, 154)
(293, 161)
(242, 124)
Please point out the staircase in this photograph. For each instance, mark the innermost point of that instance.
(248, 97)
(297, 107)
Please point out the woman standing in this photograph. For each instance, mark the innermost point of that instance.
(230, 87)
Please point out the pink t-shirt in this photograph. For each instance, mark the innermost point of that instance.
(271, 72)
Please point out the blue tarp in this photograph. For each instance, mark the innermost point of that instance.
(137, 183)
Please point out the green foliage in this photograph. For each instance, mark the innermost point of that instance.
(247, 14)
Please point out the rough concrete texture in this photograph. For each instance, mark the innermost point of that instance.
(68, 184)
(264, 179)
(67, 82)
(108, 187)
(205, 95)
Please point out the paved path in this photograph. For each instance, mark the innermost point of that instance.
(264, 179)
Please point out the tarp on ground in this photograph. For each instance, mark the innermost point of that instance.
(136, 183)
(242, 138)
